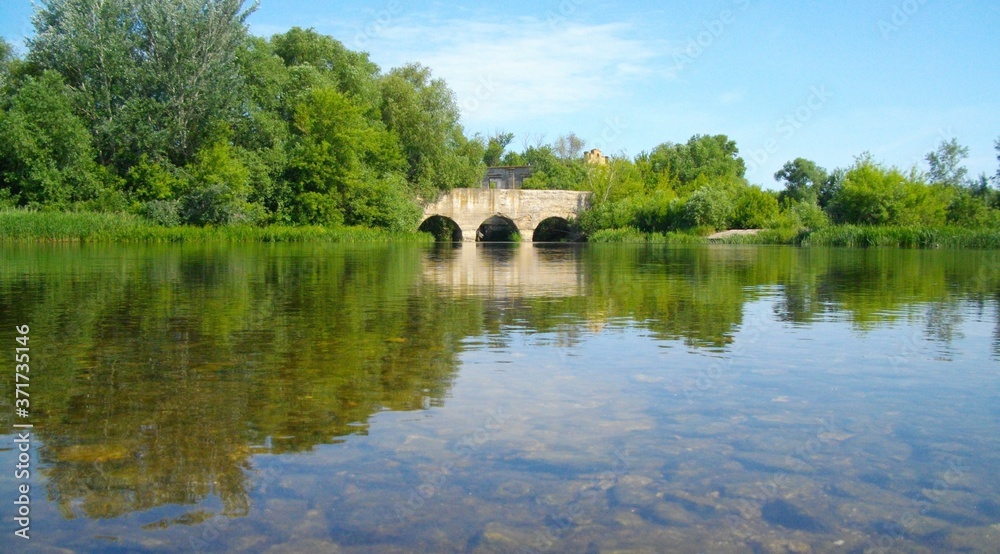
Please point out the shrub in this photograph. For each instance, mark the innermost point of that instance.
(754, 209)
(708, 207)
(162, 212)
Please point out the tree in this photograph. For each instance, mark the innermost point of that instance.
(45, 153)
(709, 158)
(151, 75)
(946, 164)
(996, 178)
(754, 208)
(803, 180)
(424, 116)
(569, 147)
(6, 58)
(708, 207)
(352, 73)
(337, 151)
(495, 148)
(872, 194)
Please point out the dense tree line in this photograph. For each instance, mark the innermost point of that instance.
(172, 110)
(701, 185)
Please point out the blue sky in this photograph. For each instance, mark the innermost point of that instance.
(824, 81)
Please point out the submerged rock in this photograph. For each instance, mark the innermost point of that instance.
(785, 514)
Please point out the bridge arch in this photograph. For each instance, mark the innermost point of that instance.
(497, 228)
(443, 228)
(553, 229)
(470, 208)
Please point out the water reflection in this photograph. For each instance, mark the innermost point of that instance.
(168, 377)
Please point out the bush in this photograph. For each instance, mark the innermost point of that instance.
(708, 207)
(212, 205)
(383, 203)
(162, 212)
(314, 208)
(754, 209)
(874, 195)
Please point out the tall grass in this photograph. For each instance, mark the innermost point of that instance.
(30, 226)
(854, 236)
(629, 235)
(850, 236)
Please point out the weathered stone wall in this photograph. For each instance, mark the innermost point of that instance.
(469, 208)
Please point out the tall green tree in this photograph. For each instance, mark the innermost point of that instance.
(803, 180)
(337, 153)
(996, 178)
(151, 75)
(46, 158)
(422, 112)
(946, 164)
(703, 160)
(872, 194)
(352, 73)
(496, 145)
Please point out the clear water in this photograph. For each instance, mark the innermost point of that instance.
(320, 398)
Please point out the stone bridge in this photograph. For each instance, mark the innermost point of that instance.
(524, 209)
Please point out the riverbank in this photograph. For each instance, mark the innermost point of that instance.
(850, 236)
(29, 226)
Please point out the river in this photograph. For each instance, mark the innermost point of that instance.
(503, 398)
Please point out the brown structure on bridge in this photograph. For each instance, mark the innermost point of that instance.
(506, 177)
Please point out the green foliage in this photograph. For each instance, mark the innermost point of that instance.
(149, 180)
(708, 207)
(383, 203)
(495, 148)
(803, 181)
(552, 172)
(874, 195)
(152, 75)
(31, 226)
(946, 164)
(165, 213)
(854, 236)
(753, 208)
(804, 215)
(711, 158)
(313, 208)
(45, 154)
(423, 114)
(971, 210)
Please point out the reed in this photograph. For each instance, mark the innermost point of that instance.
(853, 236)
(32, 226)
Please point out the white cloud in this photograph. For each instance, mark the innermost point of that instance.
(525, 67)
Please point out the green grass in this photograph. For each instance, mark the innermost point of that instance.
(632, 235)
(31, 226)
(850, 236)
(854, 236)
